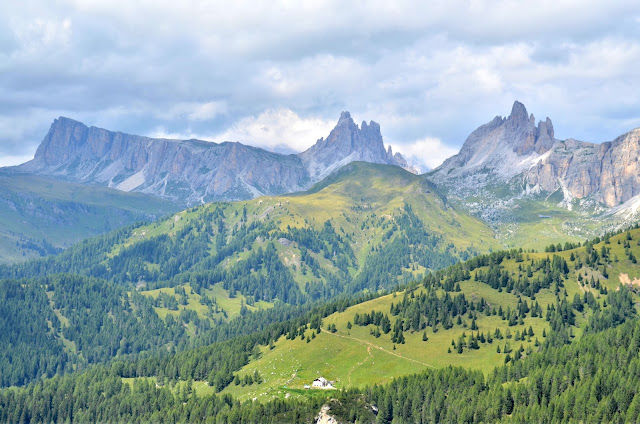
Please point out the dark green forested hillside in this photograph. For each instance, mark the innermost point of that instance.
(585, 367)
(170, 285)
(226, 311)
(593, 380)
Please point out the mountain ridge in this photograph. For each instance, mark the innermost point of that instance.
(196, 171)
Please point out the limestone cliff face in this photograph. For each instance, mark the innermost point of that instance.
(194, 171)
(515, 148)
(191, 171)
(608, 172)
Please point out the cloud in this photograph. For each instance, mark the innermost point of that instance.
(194, 111)
(39, 34)
(277, 74)
(207, 111)
(278, 130)
(427, 153)
(14, 160)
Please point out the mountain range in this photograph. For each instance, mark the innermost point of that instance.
(533, 188)
(504, 151)
(194, 171)
(512, 173)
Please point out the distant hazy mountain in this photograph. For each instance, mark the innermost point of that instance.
(194, 171)
(40, 215)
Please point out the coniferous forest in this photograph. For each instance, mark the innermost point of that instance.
(81, 344)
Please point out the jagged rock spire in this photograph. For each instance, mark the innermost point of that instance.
(347, 143)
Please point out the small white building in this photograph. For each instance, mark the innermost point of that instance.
(322, 383)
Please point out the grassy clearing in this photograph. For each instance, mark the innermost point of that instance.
(201, 388)
(536, 223)
(229, 306)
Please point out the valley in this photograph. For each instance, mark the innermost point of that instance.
(41, 216)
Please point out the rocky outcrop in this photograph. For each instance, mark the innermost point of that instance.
(194, 171)
(504, 146)
(515, 148)
(608, 172)
(323, 416)
(349, 143)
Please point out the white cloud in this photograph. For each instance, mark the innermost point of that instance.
(428, 152)
(275, 129)
(315, 74)
(14, 160)
(207, 111)
(38, 34)
(194, 111)
(188, 134)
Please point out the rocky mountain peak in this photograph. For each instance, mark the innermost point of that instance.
(503, 146)
(187, 171)
(192, 171)
(345, 116)
(545, 136)
(63, 140)
(64, 137)
(518, 113)
(347, 143)
(523, 133)
(516, 149)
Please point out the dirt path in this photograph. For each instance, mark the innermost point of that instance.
(359, 364)
(370, 345)
(291, 379)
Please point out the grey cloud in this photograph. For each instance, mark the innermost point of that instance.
(436, 71)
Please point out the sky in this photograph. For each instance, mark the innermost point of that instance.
(278, 74)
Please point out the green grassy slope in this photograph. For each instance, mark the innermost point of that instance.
(356, 357)
(535, 219)
(39, 215)
(336, 235)
(368, 228)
